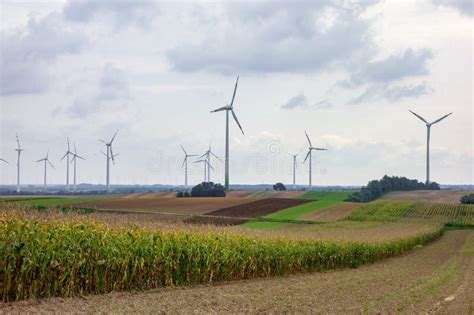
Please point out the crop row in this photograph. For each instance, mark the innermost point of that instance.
(45, 259)
(387, 211)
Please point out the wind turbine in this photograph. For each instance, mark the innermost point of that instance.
(294, 168)
(109, 156)
(66, 155)
(310, 150)
(228, 108)
(18, 150)
(207, 156)
(185, 164)
(75, 156)
(206, 167)
(46, 162)
(428, 131)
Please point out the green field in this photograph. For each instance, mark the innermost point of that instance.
(327, 195)
(292, 213)
(256, 194)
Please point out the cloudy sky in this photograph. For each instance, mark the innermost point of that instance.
(345, 72)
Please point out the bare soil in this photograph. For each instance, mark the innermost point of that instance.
(438, 279)
(334, 213)
(239, 193)
(159, 204)
(282, 194)
(432, 196)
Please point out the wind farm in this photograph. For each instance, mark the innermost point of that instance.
(217, 203)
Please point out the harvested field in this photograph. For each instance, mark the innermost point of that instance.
(240, 213)
(334, 213)
(439, 280)
(431, 196)
(281, 194)
(176, 205)
(239, 193)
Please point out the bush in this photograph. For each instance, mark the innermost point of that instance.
(279, 186)
(180, 194)
(377, 188)
(468, 199)
(187, 194)
(208, 189)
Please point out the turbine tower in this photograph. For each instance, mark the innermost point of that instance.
(66, 155)
(109, 156)
(294, 168)
(46, 162)
(228, 108)
(428, 131)
(185, 165)
(207, 166)
(310, 150)
(75, 156)
(207, 157)
(18, 150)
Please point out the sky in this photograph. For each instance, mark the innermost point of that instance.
(345, 72)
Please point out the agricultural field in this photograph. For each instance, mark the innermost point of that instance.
(327, 195)
(51, 201)
(429, 196)
(333, 213)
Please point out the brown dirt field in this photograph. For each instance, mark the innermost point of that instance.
(258, 208)
(334, 213)
(432, 196)
(437, 279)
(239, 193)
(178, 205)
(281, 194)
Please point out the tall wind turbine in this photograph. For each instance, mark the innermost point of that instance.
(18, 150)
(185, 165)
(207, 166)
(207, 157)
(75, 156)
(428, 131)
(66, 155)
(294, 168)
(46, 162)
(109, 156)
(228, 108)
(310, 150)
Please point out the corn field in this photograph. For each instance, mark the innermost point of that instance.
(390, 211)
(58, 258)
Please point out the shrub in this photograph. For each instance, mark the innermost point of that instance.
(279, 186)
(180, 194)
(468, 199)
(208, 189)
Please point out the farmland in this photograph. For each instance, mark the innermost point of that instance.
(429, 196)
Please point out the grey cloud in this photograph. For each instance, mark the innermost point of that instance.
(272, 37)
(392, 93)
(113, 84)
(297, 101)
(465, 7)
(121, 12)
(300, 101)
(29, 53)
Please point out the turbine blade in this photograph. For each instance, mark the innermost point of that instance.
(73, 158)
(75, 150)
(103, 153)
(50, 163)
(112, 140)
(237, 121)
(185, 153)
(18, 142)
(418, 116)
(78, 156)
(235, 90)
(65, 155)
(3, 160)
(189, 155)
(216, 156)
(184, 161)
(319, 149)
(112, 154)
(307, 137)
(219, 109)
(202, 155)
(438, 120)
(102, 141)
(39, 160)
(306, 156)
(210, 166)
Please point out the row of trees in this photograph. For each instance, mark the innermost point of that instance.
(377, 188)
(205, 189)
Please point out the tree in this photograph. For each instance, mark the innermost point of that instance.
(468, 199)
(180, 194)
(279, 186)
(208, 189)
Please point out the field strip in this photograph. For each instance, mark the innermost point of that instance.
(387, 286)
(183, 214)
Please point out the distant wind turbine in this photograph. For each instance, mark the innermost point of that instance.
(428, 131)
(109, 156)
(18, 150)
(46, 162)
(66, 155)
(185, 165)
(310, 150)
(75, 156)
(206, 167)
(294, 168)
(228, 108)
(207, 157)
